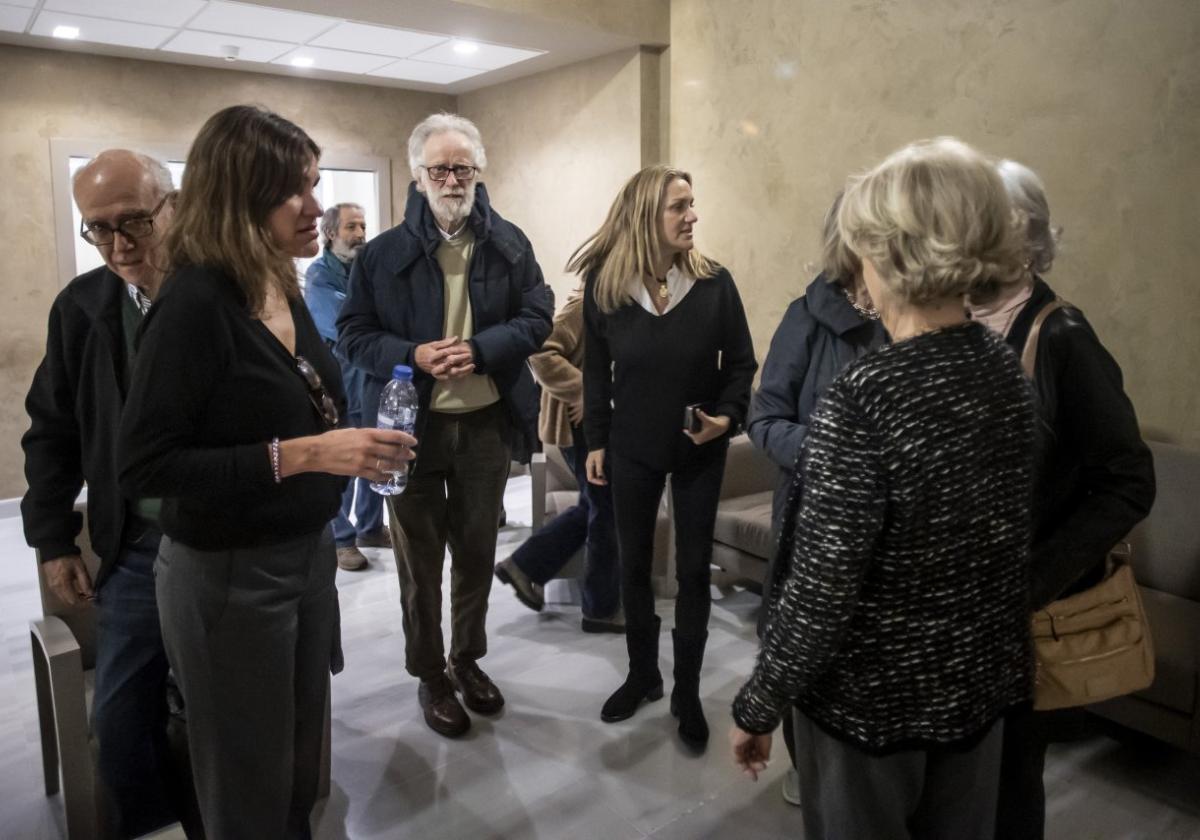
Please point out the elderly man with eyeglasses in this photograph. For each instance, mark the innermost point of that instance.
(455, 292)
(74, 406)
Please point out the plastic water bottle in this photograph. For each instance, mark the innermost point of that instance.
(397, 410)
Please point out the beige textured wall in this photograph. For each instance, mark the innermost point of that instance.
(560, 144)
(774, 102)
(646, 20)
(46, 94)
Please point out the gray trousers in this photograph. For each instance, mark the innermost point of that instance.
(249, 634)
(846, 794)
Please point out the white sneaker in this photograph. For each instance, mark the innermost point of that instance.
(791, 787)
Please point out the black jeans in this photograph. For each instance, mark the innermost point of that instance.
(587, 523)
(695, 491)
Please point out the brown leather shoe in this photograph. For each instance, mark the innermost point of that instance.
(351, 559)
(443, 712)
(478, 691)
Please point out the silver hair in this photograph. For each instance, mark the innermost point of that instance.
(1028, 196)
(439, 124)
(332, 219)
(155, 168)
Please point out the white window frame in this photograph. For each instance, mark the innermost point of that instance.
(62, 149)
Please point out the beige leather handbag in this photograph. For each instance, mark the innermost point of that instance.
(1096, 644)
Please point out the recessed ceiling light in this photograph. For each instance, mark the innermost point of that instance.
(68, 32)
(465, 47)
(302, 61)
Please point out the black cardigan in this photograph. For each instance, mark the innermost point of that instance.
(74, 406)
(641, 370)
(211, 387)
(1093, 476)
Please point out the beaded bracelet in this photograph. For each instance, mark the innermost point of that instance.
(275, 460)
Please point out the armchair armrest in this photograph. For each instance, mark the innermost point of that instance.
(55, 638)
(747, 470)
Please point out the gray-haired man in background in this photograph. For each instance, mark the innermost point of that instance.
(344, 231)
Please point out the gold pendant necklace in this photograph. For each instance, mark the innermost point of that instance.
(662, 287)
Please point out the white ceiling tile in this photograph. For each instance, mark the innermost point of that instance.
(341, 61)
(380, 40)
(486, 57)
(259, 22)
(97, 31)
(210, 44)
(156, 12)
(424, 71)
(24, 4)
(14, 19)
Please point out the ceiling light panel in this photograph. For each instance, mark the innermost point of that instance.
(14, 19)
(424, 71)
(341, 61)
(380, 40)
(154, 12)
(116, 32)
(212, 44)
(258, 22)
(487, 57)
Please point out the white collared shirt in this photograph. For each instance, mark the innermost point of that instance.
(678, 285)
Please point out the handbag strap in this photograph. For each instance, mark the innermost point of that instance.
(1029, 352)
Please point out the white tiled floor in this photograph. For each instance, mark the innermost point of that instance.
(546, 767)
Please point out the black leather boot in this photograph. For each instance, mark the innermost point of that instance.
(644, 683)
(685, 696)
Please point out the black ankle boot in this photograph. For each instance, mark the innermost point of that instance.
(625, 700)
(644, 683)
(685, 696)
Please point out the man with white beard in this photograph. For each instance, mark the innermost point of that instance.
(344, 229)
(455, 293)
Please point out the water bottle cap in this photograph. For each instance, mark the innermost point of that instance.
(401, 372)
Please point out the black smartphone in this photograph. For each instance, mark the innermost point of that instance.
(691, 420)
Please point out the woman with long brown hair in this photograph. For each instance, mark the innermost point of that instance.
(232, 419)
(666, 336)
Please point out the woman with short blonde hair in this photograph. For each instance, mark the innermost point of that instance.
(901, 630)
(667, 372)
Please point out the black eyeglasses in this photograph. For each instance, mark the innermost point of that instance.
(440, 172)
(320, 398)
(139, 227)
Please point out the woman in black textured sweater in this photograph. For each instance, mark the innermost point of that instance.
(664, 330)
(231, 419)
(901, 630)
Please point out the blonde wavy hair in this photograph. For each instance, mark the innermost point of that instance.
(625, 246)
(935, 220)
(244, 163)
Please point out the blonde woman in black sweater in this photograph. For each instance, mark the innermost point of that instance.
(901, 629)
(664, 330)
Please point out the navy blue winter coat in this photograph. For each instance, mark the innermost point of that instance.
(397, 301)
